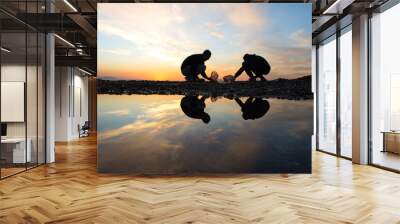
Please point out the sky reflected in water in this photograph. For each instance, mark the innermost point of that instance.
(151, 134)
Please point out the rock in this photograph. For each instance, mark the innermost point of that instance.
(214, 99)
(295, 89)
(228, 78)
(214, 76)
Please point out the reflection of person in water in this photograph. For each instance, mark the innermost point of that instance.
(253, 108)
(194, 65)
(255, 67)
(193, 107)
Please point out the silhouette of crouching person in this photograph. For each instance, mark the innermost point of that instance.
(194, 65)
(193, 107)
(255, 67)
(253, 108)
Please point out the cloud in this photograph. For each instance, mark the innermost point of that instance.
(153, 119)
(120, 52)
(301, 39)
(216, 34)
(244, 16)
(118, 112)
(159, 39)
(215, 29)
(289, 57)
(214, 25)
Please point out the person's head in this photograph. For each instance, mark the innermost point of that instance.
(246, 57)
(206, 54)
(205, 118)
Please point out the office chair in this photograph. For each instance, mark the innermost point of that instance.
(84, 130)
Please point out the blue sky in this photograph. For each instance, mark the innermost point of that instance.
(149, 41)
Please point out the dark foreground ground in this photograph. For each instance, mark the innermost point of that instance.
(295, 89)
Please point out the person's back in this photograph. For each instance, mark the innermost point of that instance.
(255, 67)
(194, 65)
(193, 60)
(257, 63)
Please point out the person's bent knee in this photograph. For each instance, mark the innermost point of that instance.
(190, 78)
(249, 72)
(186, 71)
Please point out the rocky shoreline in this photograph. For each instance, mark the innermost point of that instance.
(293, 89)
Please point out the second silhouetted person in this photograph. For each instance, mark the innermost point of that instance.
(255, 67)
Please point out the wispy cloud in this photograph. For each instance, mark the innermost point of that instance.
(215, 29)
(157, 39)
(117, 112)
(301, 39)
(217, 34)
(120, 52)
(245, 16)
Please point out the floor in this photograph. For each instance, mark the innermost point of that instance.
(10, 171)
(387, 159)
(71, 191)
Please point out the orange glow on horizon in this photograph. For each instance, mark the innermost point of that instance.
(164, 74)
(143, 74)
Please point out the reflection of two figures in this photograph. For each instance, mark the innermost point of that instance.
(252, 108)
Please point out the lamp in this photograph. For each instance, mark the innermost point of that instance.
(64, 40)
(70, 5)
(5, 50)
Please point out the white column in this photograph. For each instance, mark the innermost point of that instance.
(50, 98)
(360, 89)
(63, 100)
(314, 90)
(50, 92)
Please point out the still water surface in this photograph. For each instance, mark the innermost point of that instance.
(159, 134)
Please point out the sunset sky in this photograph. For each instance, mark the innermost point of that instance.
(148, 41)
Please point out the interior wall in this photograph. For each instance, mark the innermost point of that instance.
(71, 102)
(62, 81)
(16, 73)
(32, 126)
(82, 116)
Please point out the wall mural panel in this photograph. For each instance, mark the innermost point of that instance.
(204, 88)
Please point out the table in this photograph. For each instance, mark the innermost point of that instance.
(19, 155)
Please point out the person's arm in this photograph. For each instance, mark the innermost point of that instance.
(241, 69)
(203, 73)
(203, 98)
(249, 100)
(238, 101)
